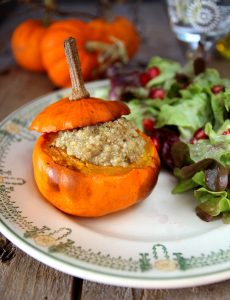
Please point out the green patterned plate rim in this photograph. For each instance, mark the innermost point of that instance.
(159, 243)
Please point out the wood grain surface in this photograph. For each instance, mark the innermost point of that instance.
(24, 278)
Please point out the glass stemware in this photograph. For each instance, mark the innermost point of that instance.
(199, 21)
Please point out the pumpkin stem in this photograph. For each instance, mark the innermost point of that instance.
(78, 88)
(109, 52)
(49, 6)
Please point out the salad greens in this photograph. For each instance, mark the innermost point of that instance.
(190, 108)
(191, 123)
(188, 115)
(168, 69)
(208, 171)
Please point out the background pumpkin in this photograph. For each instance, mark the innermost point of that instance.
(38, 48)
(26, 44)
(53, 55)
(120, 28)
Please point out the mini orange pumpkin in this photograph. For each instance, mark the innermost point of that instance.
(66, 114)
(86, 34)
(53, 56)
(92, 191)
(84, 189)
(26, 44)
(119, 28)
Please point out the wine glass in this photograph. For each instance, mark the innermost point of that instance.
(199, 21)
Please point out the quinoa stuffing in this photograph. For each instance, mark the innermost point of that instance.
(114, 143)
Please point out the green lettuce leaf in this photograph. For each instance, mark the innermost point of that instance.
(216, 137)
(204, 149)
(185, 185)
(136, 116)
(168, 70)
(217, 147)
(188, 115)
(220, 104)
(218, 108)
(208, 78)
(227, 99)
(141, 109)
(213, 203)
(199, 178)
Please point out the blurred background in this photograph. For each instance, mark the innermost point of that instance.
(149, 19)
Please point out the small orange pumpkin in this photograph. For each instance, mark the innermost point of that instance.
(119, 28)
(92, 191)
(86, 34)
(66, 114)
(39, 48)
(26, 44)
(53, 56)
(79, 188)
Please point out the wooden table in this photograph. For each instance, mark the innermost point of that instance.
(22, 277)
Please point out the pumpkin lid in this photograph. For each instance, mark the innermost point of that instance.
(65, 114)
(79, 109)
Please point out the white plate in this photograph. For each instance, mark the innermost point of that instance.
(160, 243)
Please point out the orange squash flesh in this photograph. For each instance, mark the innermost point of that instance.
(91, 191)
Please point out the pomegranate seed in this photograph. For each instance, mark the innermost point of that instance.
(226, 132)
(156, 143)
(148, 125)
(216, 89)
(199, 135)
(157, 93)
(153, 72)
(144, 78)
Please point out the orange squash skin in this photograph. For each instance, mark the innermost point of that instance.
(94, 193)
(65, 114)
(52, 52)
(39, 48)
(26, 44)
(120, 28)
